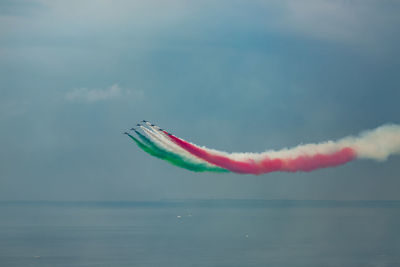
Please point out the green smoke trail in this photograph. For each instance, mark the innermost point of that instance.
(149, 147)
(145, 139)
(145, 148)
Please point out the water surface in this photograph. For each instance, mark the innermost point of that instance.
(200, 233)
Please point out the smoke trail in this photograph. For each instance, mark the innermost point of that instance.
(162, 141)
(145, 148)
(375, 144)
(165, 144)
(149, 147)
(268, 164)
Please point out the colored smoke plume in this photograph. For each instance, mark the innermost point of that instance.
(377, 144)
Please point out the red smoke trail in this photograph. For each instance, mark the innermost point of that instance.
(251, 166)
(317, 161)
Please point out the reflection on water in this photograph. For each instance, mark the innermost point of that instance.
(200, 233)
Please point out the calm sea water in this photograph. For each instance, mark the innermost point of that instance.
(200, 233)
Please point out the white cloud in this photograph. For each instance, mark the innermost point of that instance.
(95, 95)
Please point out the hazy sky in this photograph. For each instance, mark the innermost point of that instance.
(232, 75)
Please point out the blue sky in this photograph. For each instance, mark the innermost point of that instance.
(233, 75)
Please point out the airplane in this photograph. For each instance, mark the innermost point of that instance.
(164, 131)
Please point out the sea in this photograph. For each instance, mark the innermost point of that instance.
(213, 232)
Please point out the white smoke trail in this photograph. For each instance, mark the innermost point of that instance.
(159, 139)
(175, 148)
(377, 144)
(155, 139)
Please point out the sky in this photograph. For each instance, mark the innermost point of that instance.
(238, 76)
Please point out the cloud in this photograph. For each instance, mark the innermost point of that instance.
(95, 95)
